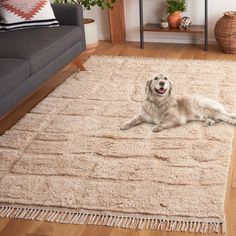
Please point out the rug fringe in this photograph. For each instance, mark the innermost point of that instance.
(179, 60)
(141, 223)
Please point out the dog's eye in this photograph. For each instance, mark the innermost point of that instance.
(155, 78)
(165, 78)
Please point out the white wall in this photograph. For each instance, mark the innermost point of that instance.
(154, 10)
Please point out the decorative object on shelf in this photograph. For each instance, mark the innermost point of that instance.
(225, 32)
(174, 19)
(164, 23)
(90, 25)
(185, 23)
(174, 7)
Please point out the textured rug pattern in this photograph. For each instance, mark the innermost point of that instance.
(69, 154)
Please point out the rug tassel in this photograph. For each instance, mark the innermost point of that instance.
(140, 223)
(28, 214)
(41, 215)
(60, 220)
(202, 228)
(97, 220)
(106, 220)
(54, 217)
(126, 223)
(193, 225)
(9, 212)
(5, 211)
(31, 213)
(22, 213)
(90, 220)
(122, 224)
(132, 224)
(186, 227)
(118, 221)
(101, 217)
(223, 228)
(178, 226)
(155, 224)
(84, 218)
(174, 224)
(148, 224)
(109, 221)
(58, 217)
(71, 216)
(143, 224)
(217, 227)
(162, 225)
(18, 213)
(48, 216)
(2, 211)
(74, 220)
(113, 221)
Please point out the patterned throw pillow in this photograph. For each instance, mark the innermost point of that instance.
(16, 14)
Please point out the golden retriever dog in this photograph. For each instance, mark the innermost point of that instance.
(165, 111)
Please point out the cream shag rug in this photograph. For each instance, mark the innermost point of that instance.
(67, 160)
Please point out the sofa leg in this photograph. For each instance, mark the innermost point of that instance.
(79, 64)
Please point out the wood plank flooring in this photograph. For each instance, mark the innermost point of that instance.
(14, 227)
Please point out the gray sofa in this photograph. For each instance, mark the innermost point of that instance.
(28, 57)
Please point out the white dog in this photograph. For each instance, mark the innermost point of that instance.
(165, 111)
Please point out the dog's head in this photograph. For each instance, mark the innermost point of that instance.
(159, 86)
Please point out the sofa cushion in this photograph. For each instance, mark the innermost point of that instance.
(12, 72)
(34, 81)
(38, 45)
(26, 13)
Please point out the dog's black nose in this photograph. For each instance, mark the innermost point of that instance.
(162, 83)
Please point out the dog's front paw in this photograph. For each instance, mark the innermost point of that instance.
(157, 128)
(125, 126)
(210, 122)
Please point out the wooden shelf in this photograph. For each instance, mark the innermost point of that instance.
(202, 29)
(157, 28)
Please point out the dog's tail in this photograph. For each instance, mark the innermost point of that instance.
(232, 115)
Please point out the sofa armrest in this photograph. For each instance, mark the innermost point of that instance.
(69, 14)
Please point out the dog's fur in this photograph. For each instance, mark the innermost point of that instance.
(165, 111)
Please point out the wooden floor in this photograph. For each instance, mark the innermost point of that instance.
(10, 227)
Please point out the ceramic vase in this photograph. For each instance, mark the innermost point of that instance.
(91, 35)
(164, 25)
(174, 19)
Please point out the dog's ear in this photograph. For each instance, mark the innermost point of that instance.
(147, 87)
(171, 87)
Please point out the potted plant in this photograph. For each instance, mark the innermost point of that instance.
(90, 26)
(164, 23)
(174, 7)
